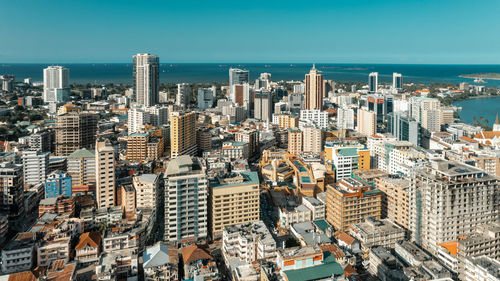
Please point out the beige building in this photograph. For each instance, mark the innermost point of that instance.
(314, 90)
(250, 136)
(373, 232)
(427, 112)
(294, 141)
(145, 145)
(53, 249)
(396, 198)
(233, 200)
(105, 174)
(446, 115)
(74, 131)
(367, 122)
(81, 168)
(128, 198)
(146, 190)
(312, 139)
(182, 134)
(350, 201)
(288, 121)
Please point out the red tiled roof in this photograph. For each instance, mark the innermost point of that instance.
(93, 239)
(344, 237)
(194, 253)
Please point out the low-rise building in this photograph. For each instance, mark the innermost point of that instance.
(289, 216)
(60, 205)
(199, 264)
(248, 242)
(481, 268)
(235, 150)
(120, 265)
(18, 254)
(88, 248)
(318, 209)
(52, 249)
(160, 262)
(373, 232)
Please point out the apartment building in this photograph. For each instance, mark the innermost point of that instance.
(35, 166)
(81, 168)
(147, 190)
(182, 133)
(294, 141)
(373, 232)
(396, 199)
(18, 255)
(249, 242)
(105, 174)
(312, 139)
(75, 130)
(233, 199)
(11, 189)
(52, 249)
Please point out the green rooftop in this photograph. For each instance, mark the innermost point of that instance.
(318, 272)
(82, 153)
(322, 224)
(249, 178)
(348, 152)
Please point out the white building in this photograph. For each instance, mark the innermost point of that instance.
(318, 209)
(146, 79)
(235, 150)
(186, 192)
(18, 254)
(183, 98)
(56, 84)
(345, 118)
(137, 118)
(248, 242)
(146, 190)
(481, 268)
(290, 216)
(315, 117)
(35, 166)
(206, 97)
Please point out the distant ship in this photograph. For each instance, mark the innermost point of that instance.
(267, 65)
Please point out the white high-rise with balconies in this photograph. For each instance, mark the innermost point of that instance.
(56, 84)
(146, 79)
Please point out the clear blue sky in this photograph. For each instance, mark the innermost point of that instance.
(371, 31)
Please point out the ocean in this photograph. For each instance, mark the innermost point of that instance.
(487, 108)
(121, 73)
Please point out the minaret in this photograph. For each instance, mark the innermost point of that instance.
(496, 126)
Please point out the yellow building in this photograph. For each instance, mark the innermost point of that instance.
(233, 200)
(182, 134)
(396, 199)
(145, 145)
(350, 201)
(288, 121)
(294, 141)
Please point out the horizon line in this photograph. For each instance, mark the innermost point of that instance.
(365, 63)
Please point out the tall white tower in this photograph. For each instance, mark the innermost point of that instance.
(56, 84)
(146, 79)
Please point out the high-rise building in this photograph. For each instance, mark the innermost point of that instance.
(373, 82)
(42, 140)
(328, 86)
(105, 174)
(56, 84)
(238, 77)
(183, 98)
(250, 136)
(427, 112)
(263, 82)
(382, 105)
(312, 139)
(206, 97)
(397, 81)
(7, 82)
(286, 120)
(314, 90)
(367, 122)
(81, 168)
(350, 202)
(315, 117)
(242, 190)
(263, 106)
(182, 133)
(35, 166)
(146, 79)
(137, 118)
(294, 141)
(75, 130)
(11, 189)
(145, 145)
(147, 191)
(240, 94)
(396, 199)
(186, 192)
(345, 118)
(58, 183)
(449, 200)
(405, 128)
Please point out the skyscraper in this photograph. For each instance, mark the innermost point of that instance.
(56, 84)
(182, 133)
(183, 98)
(367, 122)
(146, 79)
(35, 166)
(397, 81)
(75, 130)
(373, 82)
(206, 97)
(264, 81)
(105, 174)
(405, 128)
(314, 90)
(427, 112)
(240, 94)
(237, 76)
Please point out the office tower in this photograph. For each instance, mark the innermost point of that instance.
(146, 79)
(81, 168)
(74, 131)
(145, 145)
(367, 122)
(263, 106)
(263, 82)
(186, 192)
(328, 86)
(294, 141)
(381, 105)
(182, 133)
(373, 82)
(206, 97)
(405, 128)
(250, 136)
(397, 81)
(295, 102)
(350, 202)
(315, 117)
(35, 166)
(137, 118)
(11, 189)
(238, 77)
(426, 111)
(42, 140)
(105, 174)
(58, 183)
(242, 190)
(147, 191)
(314, 90)
(449, 200)
(348, 160)
(56, 84)
(183, 98)
(158, 115)
(312, 139)
(240, 94)
(7, 82)
(345, 118)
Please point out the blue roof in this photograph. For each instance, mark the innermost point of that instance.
(155, 256)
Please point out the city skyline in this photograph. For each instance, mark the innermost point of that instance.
(423, 32)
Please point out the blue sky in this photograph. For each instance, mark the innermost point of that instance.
(357, 31)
